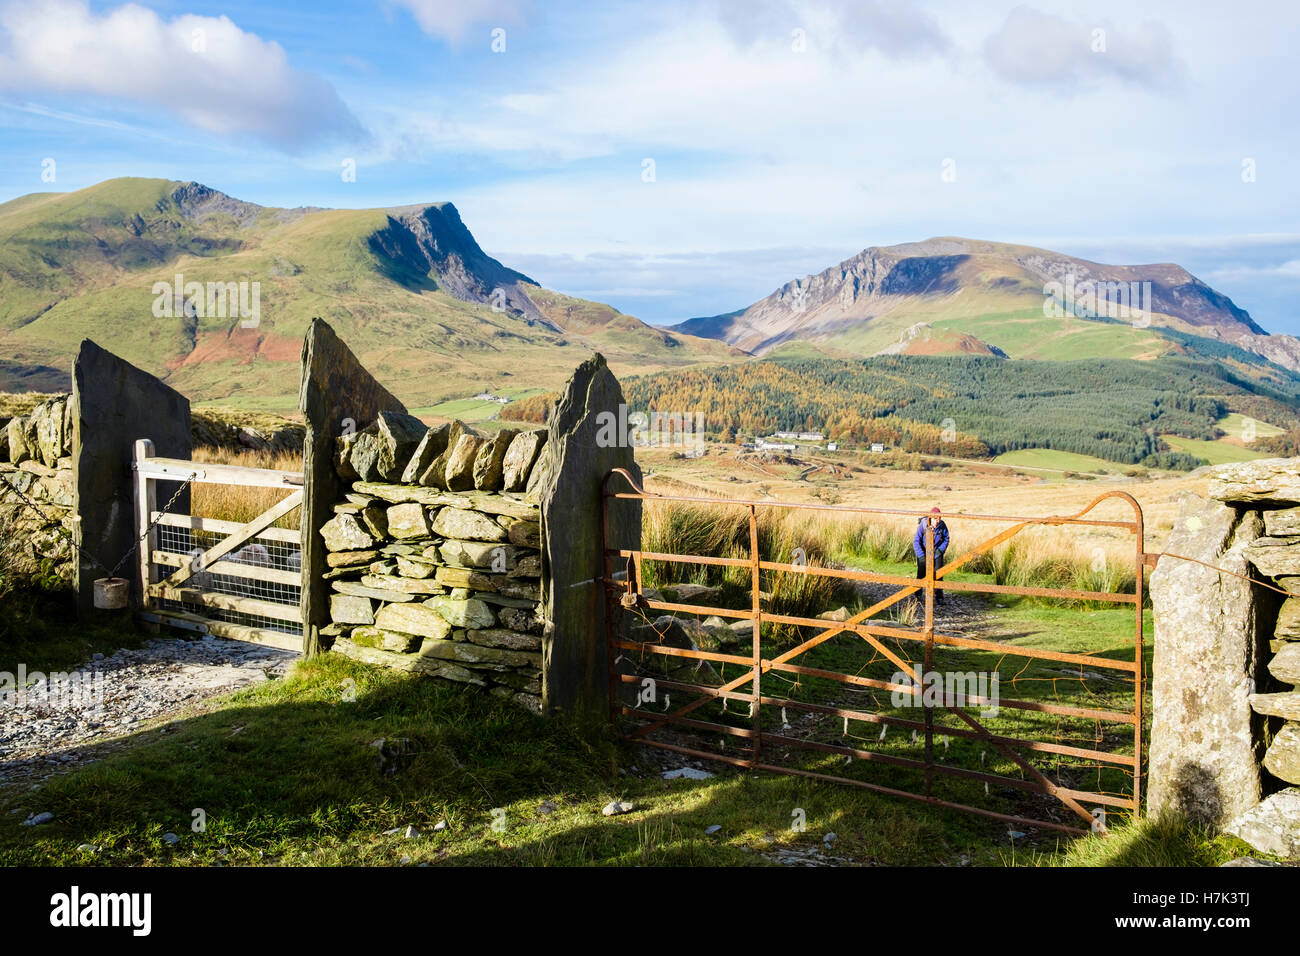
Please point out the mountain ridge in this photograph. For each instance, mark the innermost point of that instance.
(408, 287)
(862, 304)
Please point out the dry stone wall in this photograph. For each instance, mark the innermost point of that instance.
(35, 460)
(434, 554)
(1225, 737)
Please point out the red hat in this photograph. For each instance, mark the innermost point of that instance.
(935, 511)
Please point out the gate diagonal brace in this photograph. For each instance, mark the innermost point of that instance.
(225, 546)
(632, 598)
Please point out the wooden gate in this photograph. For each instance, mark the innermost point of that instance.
(235, 580)
(799, 694)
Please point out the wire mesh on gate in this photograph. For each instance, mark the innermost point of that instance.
(1058, 732)
(261, 552)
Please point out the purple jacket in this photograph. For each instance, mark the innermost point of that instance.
(940, 539)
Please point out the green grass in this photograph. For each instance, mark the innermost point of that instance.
(326, 802)
(1234, 426)
(1030, 334)
(284, 775)
(1050, 459)
(1214, 452)
(472, 410)
(1163, 841)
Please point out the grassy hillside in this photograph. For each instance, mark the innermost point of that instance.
(84, 264)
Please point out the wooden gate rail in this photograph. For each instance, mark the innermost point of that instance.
(180, 585)
(624, 589)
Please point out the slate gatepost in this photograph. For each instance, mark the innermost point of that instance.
(113, 404)
(577, 456)
(337, 396)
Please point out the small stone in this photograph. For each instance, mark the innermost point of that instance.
(440, 826)
(1285, 705)
(345, 533)
(351, 609)
(433, 444)
(408, 521)
(413, 619)
(520, 457)
(375, 594)
(414, 568)
(616, 807)
(467, 525)
(460, 462)
(1285, 665)
(37, 819)
(171, 839)
(487, 465)
(470, 613)
(347, 559)
(1273, 825)
(689, 773)
(712, 829)
(475, 554)
(412, 833)
(1282, 759)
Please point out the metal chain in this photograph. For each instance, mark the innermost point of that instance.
(150, 525)
(58, 525)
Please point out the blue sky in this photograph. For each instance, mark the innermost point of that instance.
(785, 135)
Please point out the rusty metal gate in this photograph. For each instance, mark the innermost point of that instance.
(680, 697)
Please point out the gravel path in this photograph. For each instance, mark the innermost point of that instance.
(49, 726)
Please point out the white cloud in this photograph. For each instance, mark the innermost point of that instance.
(1285, 270)
(451, 19)
(849, 26)
(206, 70)
(1037, 49)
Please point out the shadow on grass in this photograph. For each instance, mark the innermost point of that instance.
(287, 773)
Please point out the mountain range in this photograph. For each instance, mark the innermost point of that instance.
(408, 288)
(963, 296)
(437, 318)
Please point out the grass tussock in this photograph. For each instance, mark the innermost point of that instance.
(1163, 841)
(1037, 557)
(237, 502)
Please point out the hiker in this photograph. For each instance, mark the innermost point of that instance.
(935, 521)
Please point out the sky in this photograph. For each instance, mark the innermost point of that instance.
(679, 159)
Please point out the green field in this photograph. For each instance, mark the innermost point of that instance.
(1035, 336)
(472, 410)
(1234, 426)
(1215, 452)
(1056, 460)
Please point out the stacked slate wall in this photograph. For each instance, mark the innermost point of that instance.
(434, 554)
(35, 460)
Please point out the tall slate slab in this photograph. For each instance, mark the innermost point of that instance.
(576, 458)
(1202, 760)
(336, 394)
(114, 404)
